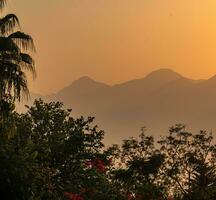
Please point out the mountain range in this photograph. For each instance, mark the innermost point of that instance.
(161, 99)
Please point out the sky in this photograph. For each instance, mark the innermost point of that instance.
(117, 40)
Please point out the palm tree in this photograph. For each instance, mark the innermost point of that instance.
(14, 61)
(2, 3)
(14, 58)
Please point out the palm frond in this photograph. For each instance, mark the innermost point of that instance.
(3, 3)
(14, 58)
(13, 80)
(24, 41)
(8, 23)
(20, 86)
(9, 57)
(7, 44)
(28, 63)
(7, 72)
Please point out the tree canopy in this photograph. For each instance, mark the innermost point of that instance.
(47, 154)
(15, 60)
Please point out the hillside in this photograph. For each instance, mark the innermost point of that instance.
(157, 101)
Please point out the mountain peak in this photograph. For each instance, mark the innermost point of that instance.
(84, 79)
(164, 73)
(210, 81)
(163, 76)
(82, 85)
(152, 81)
(213, 78)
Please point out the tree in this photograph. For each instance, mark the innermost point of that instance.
(190, 162)
(14, 59)
(51, 155)
(48, 154)
(2, 3)
(139, 173)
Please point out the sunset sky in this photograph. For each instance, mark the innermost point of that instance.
(116, 40)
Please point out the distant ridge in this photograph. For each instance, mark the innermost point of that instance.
(85, 82)
(159, 100)
(161, 74)
(164, 73)
(212, 79)
(81, 86)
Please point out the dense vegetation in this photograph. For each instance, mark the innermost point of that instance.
(47, 154)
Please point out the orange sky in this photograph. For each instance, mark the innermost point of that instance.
(117, 40)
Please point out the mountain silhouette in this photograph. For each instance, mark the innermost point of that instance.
(157, 101)
(81, 87)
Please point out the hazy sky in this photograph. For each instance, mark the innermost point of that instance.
(117, 40)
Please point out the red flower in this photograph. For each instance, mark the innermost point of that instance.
(89, 163)
(110, 161)
(129, 196)
(96, 163)
(100, 165)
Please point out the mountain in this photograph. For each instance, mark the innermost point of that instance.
(82, 86)
(159, 100)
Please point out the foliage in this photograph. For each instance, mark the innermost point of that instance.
(47, 154)
(15, 60)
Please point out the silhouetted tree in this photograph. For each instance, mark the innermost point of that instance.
(2, 3)
(14, 60)
(190, 162)
(138, 175)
